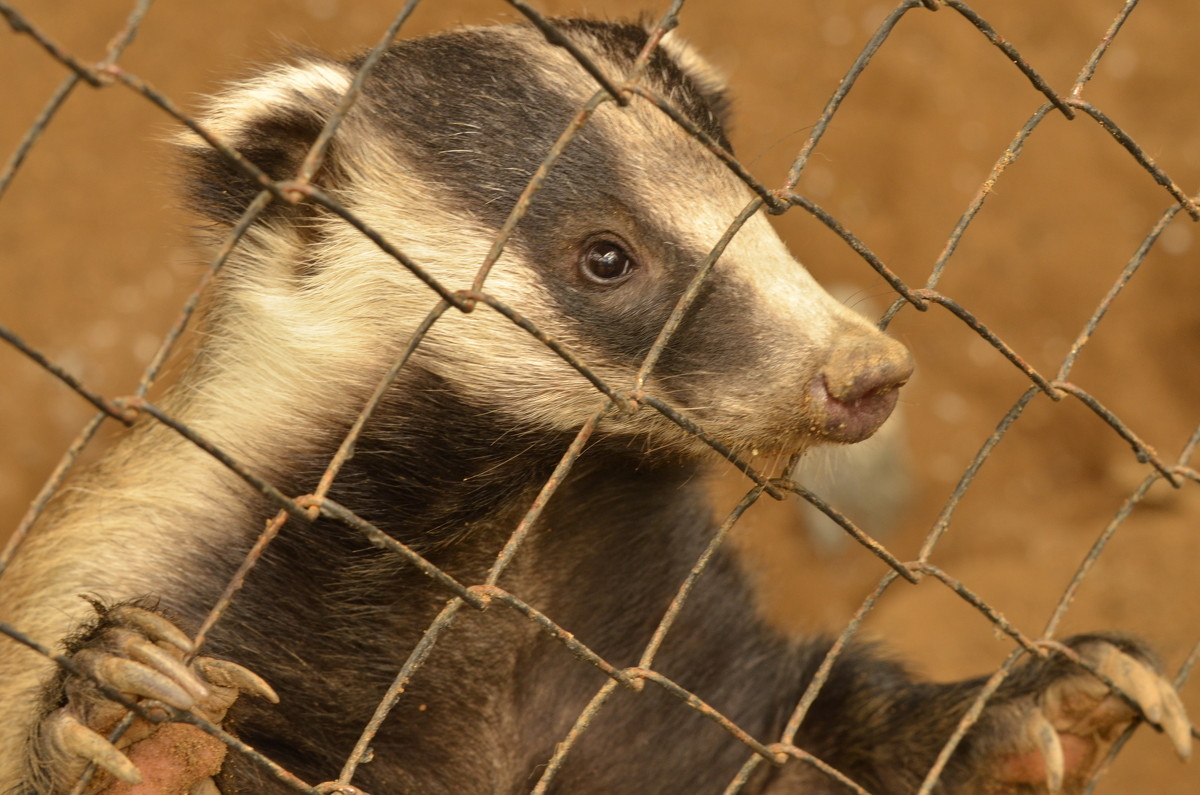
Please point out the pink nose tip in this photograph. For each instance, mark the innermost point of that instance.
(857, 388)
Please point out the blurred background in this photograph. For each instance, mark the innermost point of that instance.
(96, 259)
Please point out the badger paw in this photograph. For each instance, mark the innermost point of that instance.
(141, 654)
(1053, 739)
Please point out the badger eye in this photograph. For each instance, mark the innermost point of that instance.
(605, 262)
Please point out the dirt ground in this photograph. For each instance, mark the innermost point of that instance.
(95, 262)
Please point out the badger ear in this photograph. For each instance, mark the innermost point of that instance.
(708, 79)
(272, 119)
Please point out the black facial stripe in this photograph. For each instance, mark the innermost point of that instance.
(622, 322)
(476, 118)
(483, 146)
(707, 109)
(720, 333)
(470, 113)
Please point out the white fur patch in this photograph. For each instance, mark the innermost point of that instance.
(301, 86)
(699, 68)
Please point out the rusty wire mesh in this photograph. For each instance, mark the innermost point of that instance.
(1054, 99)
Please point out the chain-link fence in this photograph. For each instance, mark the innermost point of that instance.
(1096, 256)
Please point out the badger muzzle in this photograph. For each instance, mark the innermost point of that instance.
(856, 389)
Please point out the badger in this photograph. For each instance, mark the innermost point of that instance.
(297, 333)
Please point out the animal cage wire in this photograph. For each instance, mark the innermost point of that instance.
(1051, 101)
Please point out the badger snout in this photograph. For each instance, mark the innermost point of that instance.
(857, 388)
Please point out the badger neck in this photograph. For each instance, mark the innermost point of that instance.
(453, 480)
(621, 529)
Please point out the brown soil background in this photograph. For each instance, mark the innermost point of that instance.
(95, 262)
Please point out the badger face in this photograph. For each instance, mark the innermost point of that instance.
(445, 136)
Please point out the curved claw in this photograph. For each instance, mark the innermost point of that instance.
(136, 647)
(75, 738)
(141, 680)
(230, 674)
(1156, 697)
(1175, 723)
(152, 625)
(205, 787)
(1135, 678)
(1046, 739)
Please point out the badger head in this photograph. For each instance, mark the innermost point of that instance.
(446, 134)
